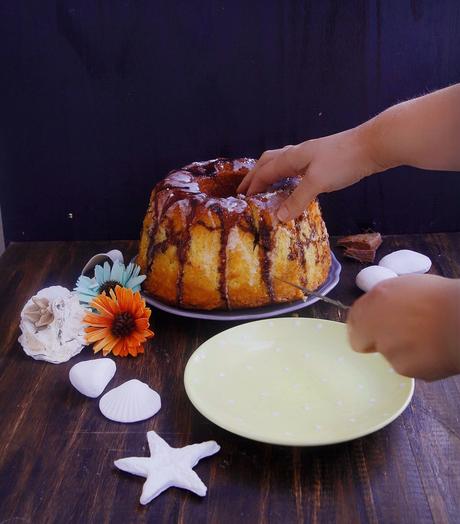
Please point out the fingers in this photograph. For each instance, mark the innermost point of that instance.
(361, 326)
(266, 157)
(298, 201)
(280, 166)
(243, 187)
(276, 165)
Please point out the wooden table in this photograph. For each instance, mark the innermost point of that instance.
(57, 451)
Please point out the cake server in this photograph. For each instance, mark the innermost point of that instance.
(307, 292)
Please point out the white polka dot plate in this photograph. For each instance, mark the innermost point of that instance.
(294, 381)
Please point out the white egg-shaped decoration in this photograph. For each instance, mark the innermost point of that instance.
(370, 276)
(131, 402)
(91, 377)
(406, 262)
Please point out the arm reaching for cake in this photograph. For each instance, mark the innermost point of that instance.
(413, 320)
(423, 132)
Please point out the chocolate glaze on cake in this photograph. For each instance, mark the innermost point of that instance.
(221, 249)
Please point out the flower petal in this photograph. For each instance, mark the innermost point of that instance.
(141, 324)
(117, 272)
(106, 271)
(124, 348)
(86, 293)
(135, 281)
(111, 342)
(137, 338)
(133, 350)
(124, 298)
(117, 347)
(127, 273)
(106, 344)
(99, 345)
(85, 299)
(100, 334)
(94, 320)
(99, 274)
(83, 282)
(92, 329)
(104, 305)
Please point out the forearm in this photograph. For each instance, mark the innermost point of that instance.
(452, 312)
(423, 132)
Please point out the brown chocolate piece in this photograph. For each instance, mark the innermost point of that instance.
(363, 255)
(361, 241)
(361, 247)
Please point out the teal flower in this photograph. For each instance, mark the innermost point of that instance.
(106, 278)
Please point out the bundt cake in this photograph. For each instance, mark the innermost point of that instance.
(204, 246)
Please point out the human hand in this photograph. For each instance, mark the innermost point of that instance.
(325, 164)
(414, 322)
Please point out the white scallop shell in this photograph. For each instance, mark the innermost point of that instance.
(131, 402)
(90, 377)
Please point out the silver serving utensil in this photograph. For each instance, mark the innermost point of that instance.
(307, 292)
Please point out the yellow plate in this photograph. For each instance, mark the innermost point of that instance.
(294, 381)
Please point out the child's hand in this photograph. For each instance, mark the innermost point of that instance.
(414, 321)
(326, 164)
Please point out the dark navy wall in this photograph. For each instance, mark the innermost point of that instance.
(99, 99)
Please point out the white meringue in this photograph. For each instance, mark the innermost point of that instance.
(90, 377)
(405, 262)
(370, 276)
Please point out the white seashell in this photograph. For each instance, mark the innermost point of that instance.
(405, 262)
(90, 377)
(368, 277)
(100, 258)
(131, 402)
(62, 335)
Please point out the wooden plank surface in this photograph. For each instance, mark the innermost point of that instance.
(57, 451)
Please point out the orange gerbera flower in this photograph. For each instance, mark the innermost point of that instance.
(121, 324)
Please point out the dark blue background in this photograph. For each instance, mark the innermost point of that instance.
(99, 99)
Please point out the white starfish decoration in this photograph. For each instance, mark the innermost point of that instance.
(167, 467)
